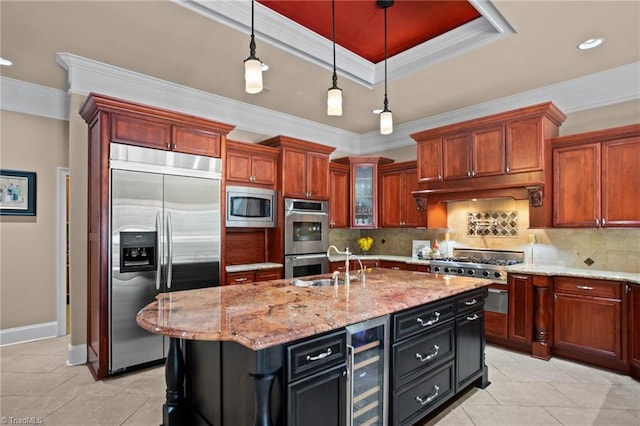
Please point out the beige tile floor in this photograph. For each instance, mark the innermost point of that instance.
(36, 384)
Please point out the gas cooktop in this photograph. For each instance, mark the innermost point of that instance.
(479, 263)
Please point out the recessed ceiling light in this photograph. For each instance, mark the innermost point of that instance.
(5, 62)
(590, 43)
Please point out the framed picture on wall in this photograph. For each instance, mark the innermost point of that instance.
(17, 193)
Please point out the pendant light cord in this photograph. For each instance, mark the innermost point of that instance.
(386, 102)
(252, 43)
(333, 20)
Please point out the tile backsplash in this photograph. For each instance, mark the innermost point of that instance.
(608, 249)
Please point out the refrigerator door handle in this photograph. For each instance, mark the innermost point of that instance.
(158, 258)
(350, 383)
(169, 251)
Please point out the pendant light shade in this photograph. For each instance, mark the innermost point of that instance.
(252, 65)
(334, 94)
(386, 117)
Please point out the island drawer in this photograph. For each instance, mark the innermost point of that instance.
(422, 318)
(424, 395)
(471, 302)
(419, 354)
(311, 356)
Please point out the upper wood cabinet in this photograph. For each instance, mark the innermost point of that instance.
(429, 154)
(364, 189)
(597, 179)
(501, 155)
(476, 153)
(113, 120)
(251, 164)
(135, 124)
(304, 167)
(338, 195)
(398, 208)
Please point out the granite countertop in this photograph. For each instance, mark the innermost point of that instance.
(266, 314)
(564, 271)
(394, 258)
(252, 267)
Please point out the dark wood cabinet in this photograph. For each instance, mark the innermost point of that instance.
(398, 208)
(438, 350)
(633, 297)
(251, 164)
(317, 381)
(339, 195)
(596, 179)
(456, 156)
(524, 146)
(304, 167)
(114, 120)
(588, 323)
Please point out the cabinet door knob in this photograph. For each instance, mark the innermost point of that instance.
(604, 221)
(468, 173)
(597, 222)
(507, 169)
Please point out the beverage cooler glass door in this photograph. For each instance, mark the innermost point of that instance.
(368, 345)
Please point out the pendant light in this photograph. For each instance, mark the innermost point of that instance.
(334, 94)
(252, 65)
(386, 117)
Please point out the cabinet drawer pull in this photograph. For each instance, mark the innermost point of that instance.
(434, 319)
(473, 318)
(508, 169)
(434, 394)
(239, 280)
(470, 302)
(428, 357)
(584, 287)
(397, 268)
(319, 356)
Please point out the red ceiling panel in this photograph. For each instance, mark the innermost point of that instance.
(360, 23)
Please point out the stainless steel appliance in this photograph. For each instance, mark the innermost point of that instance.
(165, 236)
(368, 346)
(306, 237)
(480, 263)
(249, 207)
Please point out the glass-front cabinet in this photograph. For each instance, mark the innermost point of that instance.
(364, 189)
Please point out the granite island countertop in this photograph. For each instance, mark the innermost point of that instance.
(265, 314)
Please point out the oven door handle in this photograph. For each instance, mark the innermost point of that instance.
(308, 256)
(493, 290)
(305, 213)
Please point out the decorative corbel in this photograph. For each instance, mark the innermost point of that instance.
(535, 196)
(421, 202)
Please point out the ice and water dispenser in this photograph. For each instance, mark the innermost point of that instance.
(138, 251)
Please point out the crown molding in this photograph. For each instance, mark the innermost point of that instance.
(293, 38)
(608, 87)
(34, 99)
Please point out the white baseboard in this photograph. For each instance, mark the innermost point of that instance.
(77, 354)
(28, 333)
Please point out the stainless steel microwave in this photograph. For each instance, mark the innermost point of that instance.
(250, 207)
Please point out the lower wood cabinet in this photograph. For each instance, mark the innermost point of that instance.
(633, 297)
(520, 309)
(245, 277)
(587, 323)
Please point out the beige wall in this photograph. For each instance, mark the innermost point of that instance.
(28, 245)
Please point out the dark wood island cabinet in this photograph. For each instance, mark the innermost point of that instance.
(276, 353)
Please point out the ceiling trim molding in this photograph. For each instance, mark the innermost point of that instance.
(608, 87)
(293, 38)
(34, 99)
(87, 75)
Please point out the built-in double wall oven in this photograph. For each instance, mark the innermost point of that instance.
(306, 234)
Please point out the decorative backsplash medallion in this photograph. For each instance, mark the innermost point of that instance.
(492, 224)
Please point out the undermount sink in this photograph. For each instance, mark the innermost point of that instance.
(315, 283)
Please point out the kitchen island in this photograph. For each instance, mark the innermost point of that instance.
(237, 340)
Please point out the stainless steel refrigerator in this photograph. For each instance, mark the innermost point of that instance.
(165, 236)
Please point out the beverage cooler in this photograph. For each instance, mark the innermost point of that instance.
(368, 345)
